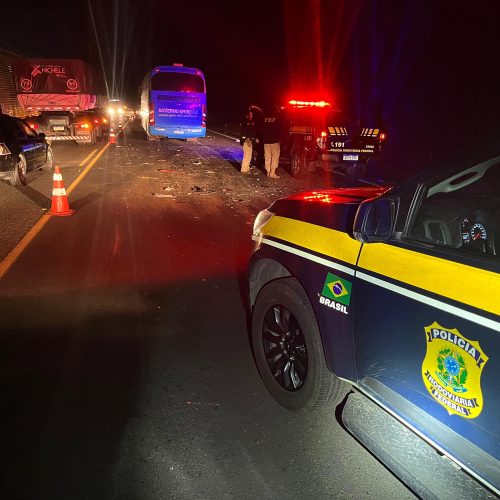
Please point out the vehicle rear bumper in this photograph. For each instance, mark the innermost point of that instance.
(331, 161)
(83, 138)
(344, 157)
(178, 133)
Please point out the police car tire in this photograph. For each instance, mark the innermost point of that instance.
(320, 385)
(298, 163)
(356, 170)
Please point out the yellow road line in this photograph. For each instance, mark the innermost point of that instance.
(84, 172)
(14, 254)
(87, 158)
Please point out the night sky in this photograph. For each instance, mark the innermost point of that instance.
(428, 71)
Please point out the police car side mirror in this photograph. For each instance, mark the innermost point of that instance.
(375, 220)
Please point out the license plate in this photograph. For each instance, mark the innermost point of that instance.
(350, 157)
(58, 128)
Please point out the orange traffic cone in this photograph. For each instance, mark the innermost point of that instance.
(112, 136)
(60, 205)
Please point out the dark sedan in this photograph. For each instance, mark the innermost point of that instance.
(21, 150)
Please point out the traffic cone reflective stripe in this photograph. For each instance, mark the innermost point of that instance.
(60, 204)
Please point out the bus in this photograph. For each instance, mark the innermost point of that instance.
(174, 103)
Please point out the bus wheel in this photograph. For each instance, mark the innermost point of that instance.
(298, 163)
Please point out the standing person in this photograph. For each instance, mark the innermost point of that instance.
(246, 140)
(271, 136)
(258, 147)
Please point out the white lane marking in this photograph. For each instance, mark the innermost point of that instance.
(475, 318)
(234, 139)
(305, 255)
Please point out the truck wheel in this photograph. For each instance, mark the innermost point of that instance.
(288, 349)
(298, 163)
(20, 171)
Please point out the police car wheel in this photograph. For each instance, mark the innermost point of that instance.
(356, 170)
(288, 350)
(298, 163)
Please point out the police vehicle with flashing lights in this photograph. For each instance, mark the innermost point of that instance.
(317, 135)
(387, 300)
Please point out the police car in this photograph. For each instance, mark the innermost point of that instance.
(387, 300)
(317, 135)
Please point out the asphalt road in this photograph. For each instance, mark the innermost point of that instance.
(126, 370)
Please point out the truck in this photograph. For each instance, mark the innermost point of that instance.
(63, 98)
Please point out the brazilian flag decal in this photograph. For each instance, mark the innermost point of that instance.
(337, 289)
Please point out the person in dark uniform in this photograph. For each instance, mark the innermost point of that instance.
(247, 137)
(271, 136)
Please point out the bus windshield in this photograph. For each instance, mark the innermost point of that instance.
(177, 82)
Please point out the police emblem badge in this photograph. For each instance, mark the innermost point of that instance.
(452, 370)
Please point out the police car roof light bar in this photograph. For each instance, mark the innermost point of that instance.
(308, 104)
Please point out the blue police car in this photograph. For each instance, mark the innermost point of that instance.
(387, 300)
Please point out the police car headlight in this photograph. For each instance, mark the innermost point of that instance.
(261, 220)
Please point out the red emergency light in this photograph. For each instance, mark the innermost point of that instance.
(308, 104)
